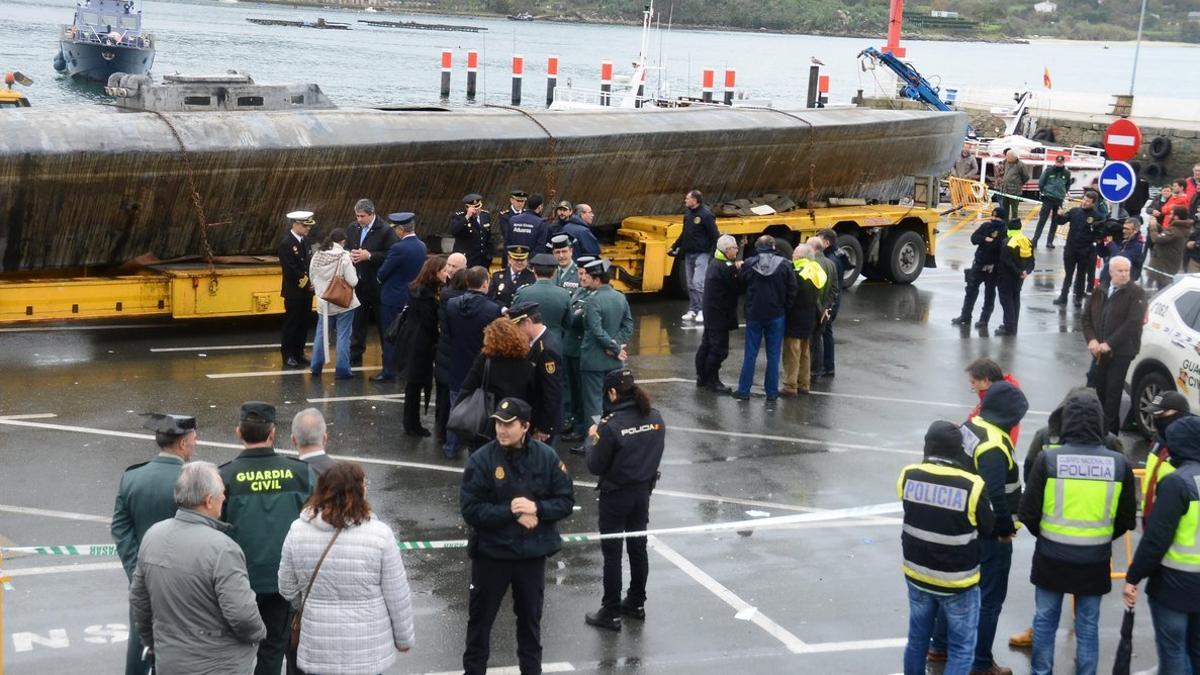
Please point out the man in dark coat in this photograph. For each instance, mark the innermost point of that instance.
(456, 272)
(579, 228)
(696, 242)
(721, 290)
(803, 317)
(309, 438)
(294, 254)
(147, 496)
(514, 492)
(368, 239)
(988, 239)
(516, 204)
(515, 275)
(472, 232)
(462, 327)
(527, 228)
(545, 353)
(404, 261)
(770, 282)
(1112, 325)
(1079, 253)
(1016, 264)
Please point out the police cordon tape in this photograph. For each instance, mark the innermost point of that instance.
(855, 512)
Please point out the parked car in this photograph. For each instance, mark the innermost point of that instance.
(1170, 356)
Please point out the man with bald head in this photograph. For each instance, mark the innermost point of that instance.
(1112, 325)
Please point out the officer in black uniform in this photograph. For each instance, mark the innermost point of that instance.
(514, 492)
(294, 255)
(147, 496)
(516, 206)
(517, 274)
(545, 353)
(472, 232)
(624, 450)
(527, 228)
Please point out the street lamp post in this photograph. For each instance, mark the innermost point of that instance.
(1137, 48)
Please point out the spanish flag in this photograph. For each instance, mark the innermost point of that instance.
(1046, 77)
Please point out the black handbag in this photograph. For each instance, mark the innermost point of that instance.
(392, 334)
(471, 416)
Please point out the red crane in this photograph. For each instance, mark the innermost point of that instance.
(895, 21)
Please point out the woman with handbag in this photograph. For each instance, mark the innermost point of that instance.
(342, 570)
(333, 278)
(418, 339)
(502, 368)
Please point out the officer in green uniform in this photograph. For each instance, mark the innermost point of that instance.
(567, 273)
(573, 421)
(553, 301)
(264, 493)
(517, 274)
(608, 327)
(147, 496)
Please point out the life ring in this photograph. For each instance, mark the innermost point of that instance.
(1160, 147)
(1154, 172)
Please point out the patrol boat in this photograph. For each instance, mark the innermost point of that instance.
(106, 37)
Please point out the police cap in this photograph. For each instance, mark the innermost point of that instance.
(519, 195)
(518, 252)
(560, 241)
(305, 217)
(511, 409)
(520, 312)
(543, 260)
(170, 425)
(597, 266)
(620, 379)
(1171, 400)
(473, 200)
(258, 411)
(401, 217)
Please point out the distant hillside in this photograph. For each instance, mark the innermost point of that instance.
(978, 19)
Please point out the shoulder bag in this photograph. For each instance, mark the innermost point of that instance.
(294, 638)
(339, 292)
(470, 415)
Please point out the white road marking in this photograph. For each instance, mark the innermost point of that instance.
(557, 667)
(833, 447)
(855, 645)
(63, 569)
(700, 326)
(56, 329)
(215, 348)
(793, 643)
(393, 398)
(274, 373)
(68, 515)
(30, 416)
(890, 399)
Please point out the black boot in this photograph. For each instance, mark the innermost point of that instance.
(633, 611)
(604, 618)
(1061, 300)
(717, 386)
(960, 321)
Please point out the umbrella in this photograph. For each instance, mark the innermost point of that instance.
(1125, 646)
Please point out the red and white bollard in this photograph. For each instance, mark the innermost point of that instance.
(822, 91)
(447, 64)
(472, 73)
(551, 78)
(518, 71)
(606, 76)
(706, 85)
(730, 84)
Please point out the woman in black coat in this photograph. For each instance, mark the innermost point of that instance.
(505, 357)
(418, 340)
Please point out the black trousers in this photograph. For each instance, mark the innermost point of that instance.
(816, 350)
(1077, 264)
(368, 310)
(297, 315)
(1109, 379)
(624, 510)
(276, 613)
(412, 405)
(490, 580)
(1050, 206)
(976, 278)
(1010, 299)
(441, 411)
(714, 349)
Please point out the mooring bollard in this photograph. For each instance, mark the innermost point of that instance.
(706, 85)
(730, 80)
(518, 69)
(472, 70)
(606, 71)
(551, 78)
(810, 101)
(447, 64)
(822, 91)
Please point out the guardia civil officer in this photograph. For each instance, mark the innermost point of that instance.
(1092, 501)
(147, 496)
(515, 274)
(545, 353)
(265, 492)
(514, 492)
(566, 274)
(624, 450)
(295, 252)
(472, 232)
(574, 422)
(553, 301)
(608, 328)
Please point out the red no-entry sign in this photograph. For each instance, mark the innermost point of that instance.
(1122, 140)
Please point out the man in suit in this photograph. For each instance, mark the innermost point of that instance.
(294, 254)
(369, 238)
(309, 439)
(472, 232)
(404, 261)
(545, 353)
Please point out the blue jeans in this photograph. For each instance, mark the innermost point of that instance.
(695, 267)
(772, 330)
(961, 614)
(1047, 608)
(342, 326)
(451, 447)
(994, 564)
(1177, 639)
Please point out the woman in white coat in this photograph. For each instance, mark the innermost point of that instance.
(359, 612)
(333, 260)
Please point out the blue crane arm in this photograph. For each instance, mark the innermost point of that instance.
(916, 87)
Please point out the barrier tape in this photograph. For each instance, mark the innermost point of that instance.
(874, 510)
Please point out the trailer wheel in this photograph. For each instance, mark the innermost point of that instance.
(1160, 147)
(851, 251)
(677, 282)
(903, 256)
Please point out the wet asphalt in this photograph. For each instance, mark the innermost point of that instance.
(824, 597)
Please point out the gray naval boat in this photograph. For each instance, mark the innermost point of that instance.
(95, 186)
(104, 38)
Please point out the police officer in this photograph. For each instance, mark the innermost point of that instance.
(527, 228)
(545, 353)
(516, 205)
(988, 239)
(145, 497)
(514, 492)
(472, 232)
(1016, 264)
(516, 274)
(554, 302)
(624, 450)
(294, 255)
(566, 274)
(264, 493)
(574, 422)
(1075, 528)
(946, 510)
(1166, 409)
(608, 327)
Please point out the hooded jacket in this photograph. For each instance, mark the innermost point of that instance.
(324, 266)
(770, 282)
(1175, 589)
(1003, 407)
(1065, 568)
(987, 253)
(1051, 434)
(465, 318)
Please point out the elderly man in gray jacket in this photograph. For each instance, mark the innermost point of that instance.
(191, 594)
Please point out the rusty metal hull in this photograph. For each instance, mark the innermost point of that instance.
(94, 187)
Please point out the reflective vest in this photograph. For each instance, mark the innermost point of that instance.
(811, 271)
(997, 440)
(1079, 503)
(1017, 240)
(1184, 554)
(939, 538)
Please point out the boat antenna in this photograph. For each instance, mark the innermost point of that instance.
(658, 31)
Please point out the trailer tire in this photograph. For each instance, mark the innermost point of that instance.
(1160, 147)
(1154, 172)
(677, 282)
(903, 256)
(851, 250)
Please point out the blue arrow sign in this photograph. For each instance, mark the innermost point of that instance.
(1117, 181)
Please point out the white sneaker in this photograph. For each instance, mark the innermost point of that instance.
(699, 317)
(689, 316)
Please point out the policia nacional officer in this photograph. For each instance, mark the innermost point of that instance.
(294, 253)
(147, 496)
(624, 450)
(264, 493)
(514, 492)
